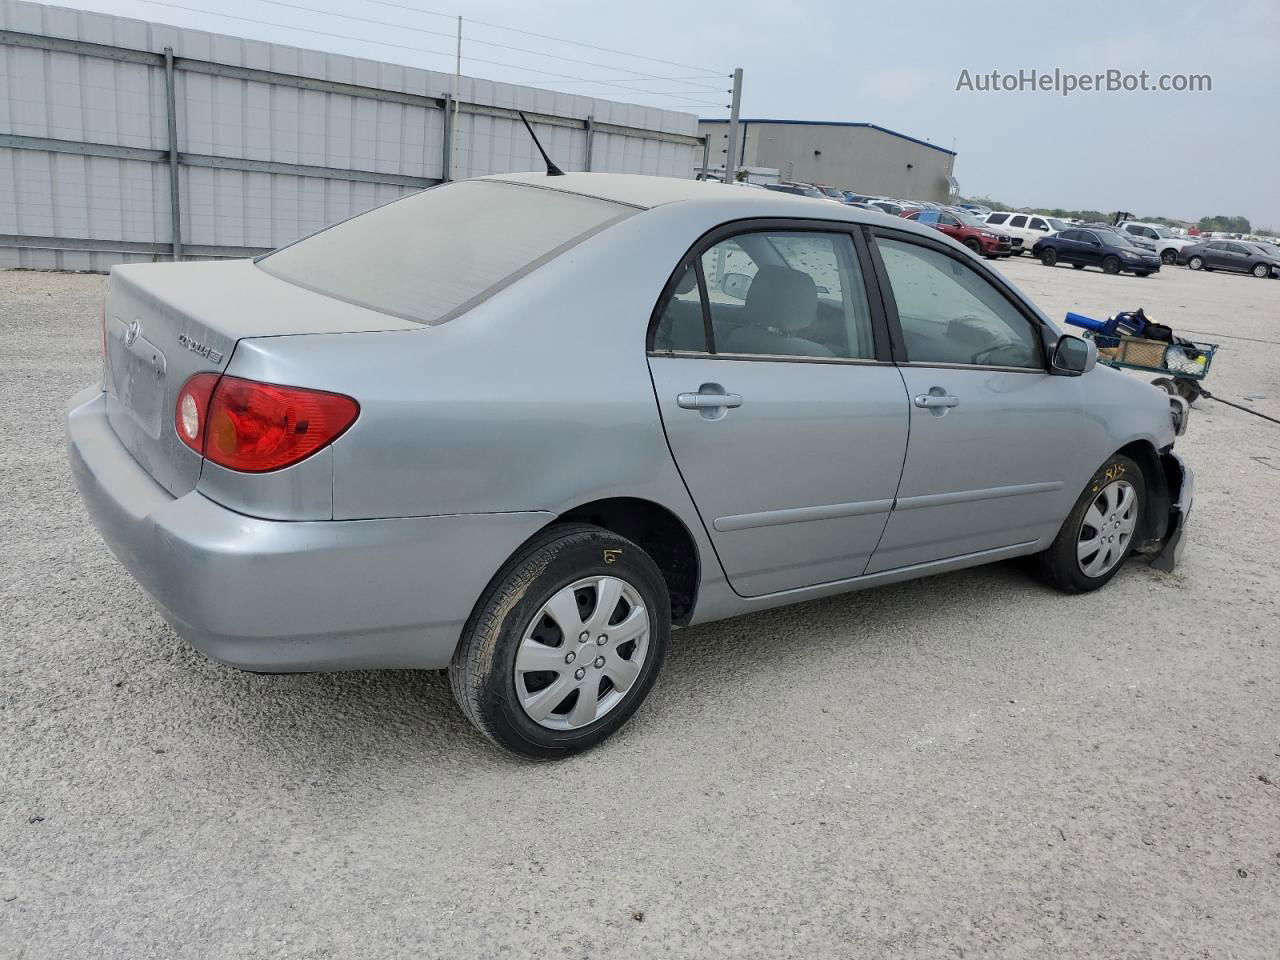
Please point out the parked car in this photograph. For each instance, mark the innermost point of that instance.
(889, 207)
(979, 238)
(1162, 239)
(1234, 255)
(975, 208)
(831, 193)
(518, 427)
(1026, 227)
(1087, 247)
(799, 189)
(1119, 236)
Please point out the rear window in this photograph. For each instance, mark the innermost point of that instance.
(433, 255)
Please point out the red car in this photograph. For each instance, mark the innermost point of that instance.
(969, 230)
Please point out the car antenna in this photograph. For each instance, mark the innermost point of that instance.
(552, 169)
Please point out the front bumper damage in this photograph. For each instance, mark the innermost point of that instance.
(1181, 487)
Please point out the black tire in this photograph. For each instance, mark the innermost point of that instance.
(1169, 257)
(974, 245)
(1078, 266)
(1196, 263)
(1261, 271)
(1142, 273)
(483, 674)
(1111, 265)
(1059, 566)
(1049, 256)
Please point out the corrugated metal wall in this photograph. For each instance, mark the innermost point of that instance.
(102, 98)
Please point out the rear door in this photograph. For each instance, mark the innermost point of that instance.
(992, 432)
(784, 412)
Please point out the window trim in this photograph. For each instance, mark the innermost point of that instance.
(880, 331)
(964, 259)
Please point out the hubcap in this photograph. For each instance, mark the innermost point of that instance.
(552, 692)
(1107, 527)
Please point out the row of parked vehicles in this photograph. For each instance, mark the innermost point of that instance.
(1128, 246)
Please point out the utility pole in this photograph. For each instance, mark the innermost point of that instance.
(731, 150)
(457, 89)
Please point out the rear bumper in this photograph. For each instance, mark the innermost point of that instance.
(281, 596)
(1182, 483)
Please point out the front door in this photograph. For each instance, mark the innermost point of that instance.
(786, 418)
(992, 432)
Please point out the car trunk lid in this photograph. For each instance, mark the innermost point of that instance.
(167, 322)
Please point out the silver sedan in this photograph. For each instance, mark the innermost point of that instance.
(520, 427)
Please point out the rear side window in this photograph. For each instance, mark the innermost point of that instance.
(997, 218)
(778, 294)
(1018, 221)
(435, 254)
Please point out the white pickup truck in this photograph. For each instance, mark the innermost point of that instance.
(1167, 243)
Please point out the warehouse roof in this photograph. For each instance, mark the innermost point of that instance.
(836, 123)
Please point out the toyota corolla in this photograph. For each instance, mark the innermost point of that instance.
(520, 427)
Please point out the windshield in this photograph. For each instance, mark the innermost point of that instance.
(435, 254)
(1055, 224)
(969, 219)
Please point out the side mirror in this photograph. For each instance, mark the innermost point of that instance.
(735, 285)
(1073, 356)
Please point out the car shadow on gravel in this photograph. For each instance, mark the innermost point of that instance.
(345, 719)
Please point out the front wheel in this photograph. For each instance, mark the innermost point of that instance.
(974, 245)
(1099, 532)
(1111, 265)
(565, 643)
(1049, 256)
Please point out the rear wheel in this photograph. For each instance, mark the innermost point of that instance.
(1049, 256)
(1196, 263)
(565, 643)
(1099, 532)
(1111, 265)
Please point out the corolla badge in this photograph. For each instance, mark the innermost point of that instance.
(213, 356)
(132, 333)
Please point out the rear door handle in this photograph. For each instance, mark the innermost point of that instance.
(708, 401)
(929, 400)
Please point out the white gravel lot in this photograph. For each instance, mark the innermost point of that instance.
(965, 766)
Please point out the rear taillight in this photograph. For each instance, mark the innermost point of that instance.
(191, 415)
(256, 427)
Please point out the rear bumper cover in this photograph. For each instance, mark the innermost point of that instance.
(1182, 484)
(281, 596)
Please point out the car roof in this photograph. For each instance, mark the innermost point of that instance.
(632, 189)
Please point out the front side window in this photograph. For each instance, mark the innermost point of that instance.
(949, 313)
(781, 294)
(434, 254)
(1038, 224)
(1018, 221)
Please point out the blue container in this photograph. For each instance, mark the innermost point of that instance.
(1080, 320)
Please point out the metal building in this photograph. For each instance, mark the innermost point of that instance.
(105, 121)
(849, 156)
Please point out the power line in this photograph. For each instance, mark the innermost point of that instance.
(398, 46)
(547, 36)
(487, 43)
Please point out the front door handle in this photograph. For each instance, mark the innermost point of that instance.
(933, 400)
(708, 401)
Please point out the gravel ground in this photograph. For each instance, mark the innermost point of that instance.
(969, 765)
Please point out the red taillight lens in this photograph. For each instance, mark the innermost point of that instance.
(191, 415)
(255, 427)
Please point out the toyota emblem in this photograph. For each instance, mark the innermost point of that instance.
(131, 335)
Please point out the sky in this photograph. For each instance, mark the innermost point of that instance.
(1176, 154)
